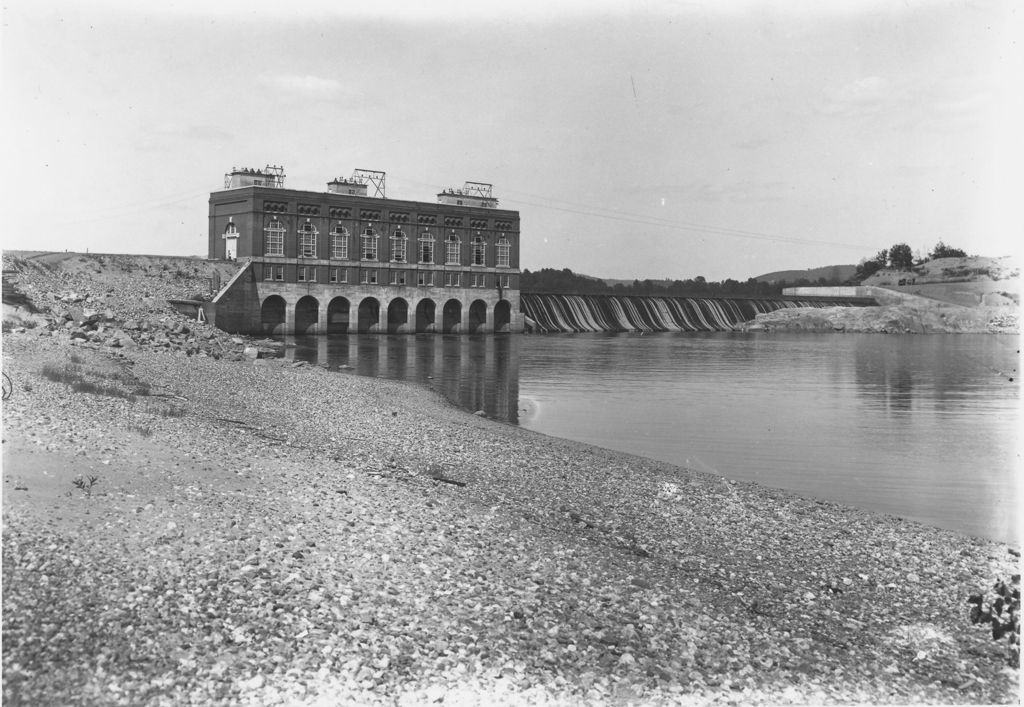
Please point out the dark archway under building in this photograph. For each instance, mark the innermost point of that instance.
(338, 316)
(502, 317)
(369, 316)
(451, 317)
(477, 316)
(426, 316)
(398, 316)
(272, 315)
(307, 315)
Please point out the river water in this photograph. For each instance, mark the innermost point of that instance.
(924, 427)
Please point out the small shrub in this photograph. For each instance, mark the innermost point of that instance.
(167, 410)
(75, 358)
(1002, 612)
(142, 430)
(61, 374)
(85, 483)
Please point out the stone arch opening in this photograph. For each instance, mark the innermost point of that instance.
(307, 315)
(477, 316)
(369, 316)
(398, 316)
(426, 316)
(338, 315)
(451, 317)
(272, 315)
(503, 317)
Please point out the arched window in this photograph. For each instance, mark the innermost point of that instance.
(398, 243)
(451, 250)
(231, 231)
(273, 241)
(479, 250)
(368, 244)
(339, 242)
(503, 249)
(307, 240)
(426, 248)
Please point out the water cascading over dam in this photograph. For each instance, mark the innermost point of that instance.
(581, 313)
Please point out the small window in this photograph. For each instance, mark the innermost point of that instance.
(504, 250)
(426, 248)
(339, 242)
(425, 279)
(479, 250)
(368, 277)
(368, 243)
(397, 277)
(279, 272)
(268, 272)
(398, 244)
(451, 279)
(307, 240)
(452, 247)
(273, 243)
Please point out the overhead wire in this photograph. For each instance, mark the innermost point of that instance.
(627, 217)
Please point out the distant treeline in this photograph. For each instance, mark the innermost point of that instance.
(567, 282)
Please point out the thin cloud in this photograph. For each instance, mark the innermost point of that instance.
(308, 85)
(865, 95)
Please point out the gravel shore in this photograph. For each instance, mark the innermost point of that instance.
(264, 533)
(186, 523)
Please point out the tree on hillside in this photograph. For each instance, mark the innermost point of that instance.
(942, 250)
(867, 268)
(901, 257)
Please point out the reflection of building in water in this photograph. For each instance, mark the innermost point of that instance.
(476, 373)
(347, 261)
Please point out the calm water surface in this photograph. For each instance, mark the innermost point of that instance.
(924, 427)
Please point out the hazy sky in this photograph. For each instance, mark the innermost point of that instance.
(645, 139)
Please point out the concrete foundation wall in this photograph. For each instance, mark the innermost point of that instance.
(248, 305)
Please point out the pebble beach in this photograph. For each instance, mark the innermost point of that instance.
(181, 527)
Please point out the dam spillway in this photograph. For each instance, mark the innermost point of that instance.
(552, 313)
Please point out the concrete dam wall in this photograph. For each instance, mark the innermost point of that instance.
(582, 313)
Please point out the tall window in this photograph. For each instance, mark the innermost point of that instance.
(398, 242)
(273, 243)
(369, 244)
(504, 249)
(307, 240)
(479, 250)
(426, 248)
(451, 252)
(339, 242)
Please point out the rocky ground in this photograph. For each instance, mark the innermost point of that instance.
(182, 528)
(974, 295)
(924, 318)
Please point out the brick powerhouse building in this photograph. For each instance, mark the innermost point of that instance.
(346, 261)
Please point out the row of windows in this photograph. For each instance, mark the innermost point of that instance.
(306, 273)
(368, 245)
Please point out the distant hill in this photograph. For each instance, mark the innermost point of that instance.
(832, 273)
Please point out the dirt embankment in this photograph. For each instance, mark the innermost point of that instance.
(119, 301)
(949, 295)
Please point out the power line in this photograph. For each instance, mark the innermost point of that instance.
(688, 225)
(614, 215)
